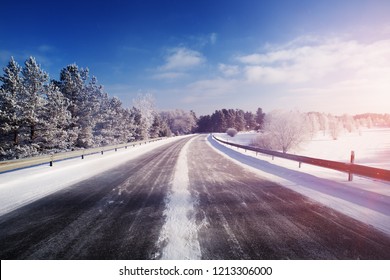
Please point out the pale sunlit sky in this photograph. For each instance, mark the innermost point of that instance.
(328, 56)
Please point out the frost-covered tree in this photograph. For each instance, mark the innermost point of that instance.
(239, 120)
(72, 85)
(38, 116)
(229, 118)
(324, 123)
(57, 118)
(349, 123)
(335, 127)
(283, 130)
(231, 132)
(110, 129)
(313, 124)
(33, 99)
(160, 127)
(10, 109)
(218, 121)
(136, 117)
(179, 121)
(87, 100)
(145, 104)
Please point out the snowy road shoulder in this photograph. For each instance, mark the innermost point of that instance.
(352, 198)
(20, 187)
(179, 232)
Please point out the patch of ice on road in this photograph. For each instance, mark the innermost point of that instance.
(180, 230)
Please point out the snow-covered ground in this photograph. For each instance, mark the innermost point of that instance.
(364, 199)
(24, 186)
(371, 146)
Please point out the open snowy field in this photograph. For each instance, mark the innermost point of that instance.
(364, 199)
(371, 146)
(20, 187)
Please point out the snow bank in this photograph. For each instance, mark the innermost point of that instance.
(366, 200)
(180, 231)
(20, 187)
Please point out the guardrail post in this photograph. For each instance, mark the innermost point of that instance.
(350, 174)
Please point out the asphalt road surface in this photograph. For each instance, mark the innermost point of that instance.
(119, 214)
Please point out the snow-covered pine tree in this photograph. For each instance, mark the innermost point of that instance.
(109, 129)
(10, 110)
(160, 127)
(33, 102)
(57, 118)
(145, 104)
(250, 121)
(230, 119)
(136, 118)
(260, 116)
(121, 126)
(128, 126)
(218, 121)
(84, 104)
(239, 120)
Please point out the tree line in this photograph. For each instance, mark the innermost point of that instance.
(39, 115)
(222, 120)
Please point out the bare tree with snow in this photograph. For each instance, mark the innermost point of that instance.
(283, 130)
(145, 104)
(335, 127)
(179, 121)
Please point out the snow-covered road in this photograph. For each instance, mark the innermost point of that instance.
(115, 214)
(183, 199)
(242, 214)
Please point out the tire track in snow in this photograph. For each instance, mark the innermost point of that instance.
(179, 233)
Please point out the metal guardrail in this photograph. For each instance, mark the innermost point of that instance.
(10, 165)
(350, 168)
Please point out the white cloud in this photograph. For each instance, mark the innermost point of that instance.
(228, 70)
(169, 75)
(213, 38)
(200, 41)
(178, 63)
(328, 75)
(335, 59)
(182, 59)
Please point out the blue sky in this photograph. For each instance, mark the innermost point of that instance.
(328, 56)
